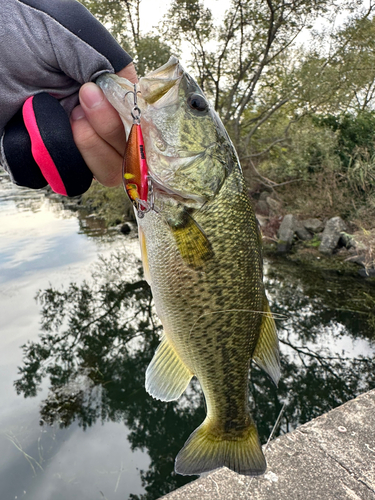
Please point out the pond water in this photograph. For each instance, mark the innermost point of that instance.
(75, 420)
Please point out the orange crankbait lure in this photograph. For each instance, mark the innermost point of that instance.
(135, 170)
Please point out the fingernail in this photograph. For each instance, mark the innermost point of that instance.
(77, 113)
(91, 95)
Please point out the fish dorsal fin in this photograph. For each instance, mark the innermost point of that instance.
(191, 240)
(167, 376)
(266, 354)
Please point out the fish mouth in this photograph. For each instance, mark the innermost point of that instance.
(157, 83)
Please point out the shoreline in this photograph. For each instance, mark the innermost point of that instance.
(332, 456)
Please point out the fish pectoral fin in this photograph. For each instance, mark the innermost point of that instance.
(167, 376)
(266, 354)
(207, 449)
(192, 243)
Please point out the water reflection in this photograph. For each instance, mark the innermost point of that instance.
(97, 339)
(19, 204)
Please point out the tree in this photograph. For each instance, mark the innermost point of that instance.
(269, 88)
(252, 67)
(123, 20)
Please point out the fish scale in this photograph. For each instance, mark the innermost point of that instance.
(201, 251)
(212, 289)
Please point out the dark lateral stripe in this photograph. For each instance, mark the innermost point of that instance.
(78, 20)
(53, 146)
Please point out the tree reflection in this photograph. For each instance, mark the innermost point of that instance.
(98, 337)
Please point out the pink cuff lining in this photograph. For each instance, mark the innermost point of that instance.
(40, 151)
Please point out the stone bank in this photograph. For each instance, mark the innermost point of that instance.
(332, 457)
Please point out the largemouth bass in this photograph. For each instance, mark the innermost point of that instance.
(201, 252)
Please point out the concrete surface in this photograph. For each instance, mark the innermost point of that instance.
(332, 457)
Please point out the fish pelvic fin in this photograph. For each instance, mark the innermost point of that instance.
(266, 354)
(207, 449)
(167, 376)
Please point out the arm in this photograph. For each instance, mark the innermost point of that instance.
(54, 47)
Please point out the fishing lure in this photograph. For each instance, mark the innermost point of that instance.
(135, 170)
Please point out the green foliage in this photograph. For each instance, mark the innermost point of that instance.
(361, 174)
(355, 134)
(293, 111)
(308, 150)
(313, 243)
(151, 53)
(122, 19)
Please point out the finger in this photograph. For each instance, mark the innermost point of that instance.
(129, 73)
(104, 161)
(103, 118)
(99, 133)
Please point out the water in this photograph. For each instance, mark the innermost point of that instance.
(82, 425)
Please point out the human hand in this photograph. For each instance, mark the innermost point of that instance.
(99, 133)
(49, 50)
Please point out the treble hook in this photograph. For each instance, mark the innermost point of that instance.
(135, 112)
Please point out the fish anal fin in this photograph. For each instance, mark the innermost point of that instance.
(192, 242)
(266, 354)
(167, 376)
(206, 450)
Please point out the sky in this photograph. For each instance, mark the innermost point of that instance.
(152, 11)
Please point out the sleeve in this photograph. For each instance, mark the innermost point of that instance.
(51, 47)
(73, 28)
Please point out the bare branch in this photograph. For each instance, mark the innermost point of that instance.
(134, 25)
(265, 118)
(265, 151)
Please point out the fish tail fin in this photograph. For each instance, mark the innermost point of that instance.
(206, 450)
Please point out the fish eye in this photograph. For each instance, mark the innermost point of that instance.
(197, 102)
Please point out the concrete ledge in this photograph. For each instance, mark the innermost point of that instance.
(332, 457)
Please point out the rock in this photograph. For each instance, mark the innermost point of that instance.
(343, 252)
(367, 273)
(286, 233)
(274, 205)
(331, 235)
(262, 220)
(313, 225)
(347, 240)
(302, 233)
(264, 195)
(262, 207)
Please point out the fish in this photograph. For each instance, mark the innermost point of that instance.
(201, 253)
